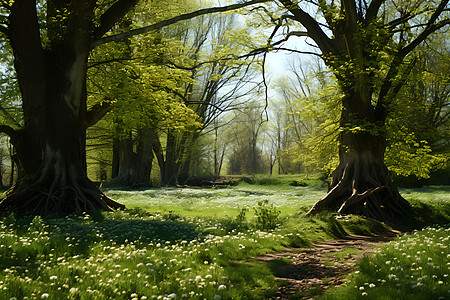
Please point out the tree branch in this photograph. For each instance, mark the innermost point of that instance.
(206, 103)
(314, 31)
(97, 112)
(9, 131)
(116, 12)
(173, 20)
(372, 10)
(108, 61)
(297, 51)
(424, 34)
(8, 116)
(403, 52)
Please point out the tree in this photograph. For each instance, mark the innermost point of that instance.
(50, 65)
(368, 47)
(140, 75)
(51, 45)
(414, 133)
(219, 80)
(310, 98)
(247, 127)
(419, 132)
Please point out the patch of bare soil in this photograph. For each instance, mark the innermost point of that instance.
(305, 273)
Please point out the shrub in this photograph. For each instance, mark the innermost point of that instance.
(267, 216)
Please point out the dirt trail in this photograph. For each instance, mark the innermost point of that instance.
(307, 272)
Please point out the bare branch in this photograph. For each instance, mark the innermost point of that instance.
(298, 51)
(373, 9)
(399, 21)
(297, 33)
(429, 29)
(266, 88)
(206, 103)
(174, 20)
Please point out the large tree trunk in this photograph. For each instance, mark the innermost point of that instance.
(361, 183)
(50, 147)
(59, 185)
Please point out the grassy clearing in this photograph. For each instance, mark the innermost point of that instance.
(176, 243)
(220, 202)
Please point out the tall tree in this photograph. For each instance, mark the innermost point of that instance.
(367, 44)
(212, 45)
(50, 62)
(311, 104)
(247, 128)
(50, 50)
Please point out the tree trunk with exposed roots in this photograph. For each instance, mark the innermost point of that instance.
(370, 56)
(361, 183)
(50, 154)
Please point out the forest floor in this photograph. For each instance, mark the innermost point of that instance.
(306, 273)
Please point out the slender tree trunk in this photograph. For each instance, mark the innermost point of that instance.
(115, 158)
(159, 154)
(2, 169)
(134, 167)
(172, 163)
(222, 156)
(188, 142)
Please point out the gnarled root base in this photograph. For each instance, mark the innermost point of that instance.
(58, 189)
(363, 186)
(58, 201)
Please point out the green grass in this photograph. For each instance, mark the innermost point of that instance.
(201, 202)
(192, 243)
(414, 266)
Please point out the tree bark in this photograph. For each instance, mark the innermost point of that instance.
(188, 142)
(361, 184)
(171, 165)
(52, 179)
(134, 167)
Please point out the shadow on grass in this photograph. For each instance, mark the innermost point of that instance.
(75, 234)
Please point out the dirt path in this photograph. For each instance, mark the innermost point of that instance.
(307, 272)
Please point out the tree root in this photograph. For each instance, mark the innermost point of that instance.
(356, 198)
(363, 186)
(56, 191)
